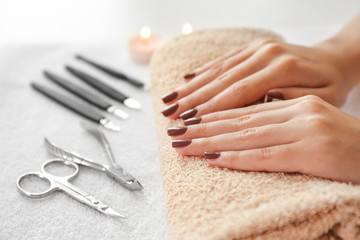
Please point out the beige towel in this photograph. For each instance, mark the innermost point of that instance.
(212, 203)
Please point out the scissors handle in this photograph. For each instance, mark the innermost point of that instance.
(30, 194)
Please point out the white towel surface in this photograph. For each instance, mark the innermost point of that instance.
(27, 116)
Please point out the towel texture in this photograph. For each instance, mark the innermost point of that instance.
(211, 203)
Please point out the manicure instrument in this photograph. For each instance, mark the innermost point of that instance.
(104, 88)
(112, 72)
(113, 171)
(62, 183)
(88, 96)
(77, 106)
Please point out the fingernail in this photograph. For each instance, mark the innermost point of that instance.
(169, 97)
(188, 114)
(176, 131)
(189, 75)
(270, 96)
(170, 109)
(192, 121)
(211, 155)
(180, 143)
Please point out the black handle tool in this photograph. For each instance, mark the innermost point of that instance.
(76, 106)
(112, 72)
(88, 96)
(104, 88)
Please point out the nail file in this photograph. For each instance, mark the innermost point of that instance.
(104, 88)
(76, 106)
(112, 72)
(88, 96)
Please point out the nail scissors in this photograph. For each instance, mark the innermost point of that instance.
(62, 183)
(113, 171)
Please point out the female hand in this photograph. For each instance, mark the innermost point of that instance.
(304, 135)
(328, 70)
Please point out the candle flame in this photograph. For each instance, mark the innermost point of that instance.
(145, 32)
(187, 29)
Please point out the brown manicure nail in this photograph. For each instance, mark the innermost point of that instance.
(270, 96)
(211, 155)
(176, 131)
(169, 97)
(192, 121)
(189, 75)
(180, 143)
(170, 109)
(188, 114)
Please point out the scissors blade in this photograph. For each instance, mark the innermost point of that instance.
(115, 171)
(66, 155)
(87, 199)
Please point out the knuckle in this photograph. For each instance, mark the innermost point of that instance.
(311, 105)
(316, 123)
(272, 48)
(207, 143)
(217, 69)
(202, 128)
(262, 42)
(289, 63)
(241, 120)
(265, 154)
(246, 133)
(212, 105)
(240, 88)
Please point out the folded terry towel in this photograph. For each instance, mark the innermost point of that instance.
(212, 203)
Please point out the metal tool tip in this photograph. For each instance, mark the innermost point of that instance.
(132, 103)
(106, 123)
(113, 213)
(118, 112)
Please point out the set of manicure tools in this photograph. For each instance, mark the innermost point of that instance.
(83, 109)
(72, 159)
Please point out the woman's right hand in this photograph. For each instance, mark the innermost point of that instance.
(305, 135)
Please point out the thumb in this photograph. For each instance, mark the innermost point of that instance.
(278, 94)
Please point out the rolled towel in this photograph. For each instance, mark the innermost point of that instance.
(209, 203)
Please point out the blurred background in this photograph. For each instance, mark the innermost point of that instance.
(90, 21)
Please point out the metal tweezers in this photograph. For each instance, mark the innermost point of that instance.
(114, 171)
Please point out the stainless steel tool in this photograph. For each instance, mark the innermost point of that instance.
(113, 171)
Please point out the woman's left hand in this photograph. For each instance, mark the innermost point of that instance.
(304, 135)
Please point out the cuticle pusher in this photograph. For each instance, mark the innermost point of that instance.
(104, 88)
(112, 72)
(88, 96)
(76, 106)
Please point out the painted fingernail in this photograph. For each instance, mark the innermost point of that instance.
(272, 96)
(189, 75)
(192, 121)
(169, 97)
(211, 155)
(176, 131)
(180, 143)
(170, 109)
(188, 114)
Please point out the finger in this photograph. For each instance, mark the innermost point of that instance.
(232, 125)
(297, 92)
(206, 77)
(210, 64)
(258, 137)
(279, 158)
(240, 112)
(253, 64)
(240, 93)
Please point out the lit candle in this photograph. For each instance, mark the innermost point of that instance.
(187, 29)
(143, 46)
